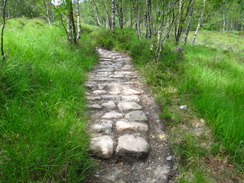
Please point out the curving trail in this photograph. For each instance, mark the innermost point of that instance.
(127, 137)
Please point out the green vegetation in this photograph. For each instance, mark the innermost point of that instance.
(43, 65)
(208, 78)
(43, 135)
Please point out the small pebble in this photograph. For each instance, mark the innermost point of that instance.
(169, 158)
(183, 107)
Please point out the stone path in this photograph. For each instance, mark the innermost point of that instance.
(126, 134)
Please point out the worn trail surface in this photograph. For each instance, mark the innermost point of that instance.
(128, 140)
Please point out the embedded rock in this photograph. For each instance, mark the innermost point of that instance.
(102, 146)
(105, 126)
(95, 106)
(126, 106)
(131, 92)
(122, 126)
(99, 92)
(136, 116)
(132, 147)
(109, 105)
(131, 98)
(112, 115)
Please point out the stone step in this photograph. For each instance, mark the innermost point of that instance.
(105, 70)
(102, 146)
(112, 115)
(125, 126)
(130, 146)
(103, 79)
(127, 106)
(136, 116)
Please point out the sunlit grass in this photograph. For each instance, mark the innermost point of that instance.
(215, 80)
(43, 122)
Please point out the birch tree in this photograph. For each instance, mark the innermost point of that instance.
(136, 7)
(166, 16)
(4, 5)
(199, 23)
(78, 19)
(183, 13)
(113, 15)
(120, 11)
(106, 5)
(147, 18)
(95, 12)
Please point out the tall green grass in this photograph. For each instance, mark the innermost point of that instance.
(42, 122)
(215, 81)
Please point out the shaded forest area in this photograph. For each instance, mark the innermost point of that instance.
(189, 52)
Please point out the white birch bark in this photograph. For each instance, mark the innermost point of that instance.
(47, 12)
(78, 19)
(3, 27)
(113, 15)
(199, 23)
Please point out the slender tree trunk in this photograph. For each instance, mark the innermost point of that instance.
(188, 26)
(113, 15)
(224, 22)
(120, 13)
(95, 14)
(69, 29)
(178, 28)
(108, 18)
(137, 18)
(78, 19)
(199, 23)
(147, 18)
(131, 17)
(162, 20)
(3, 27)
(47, 12)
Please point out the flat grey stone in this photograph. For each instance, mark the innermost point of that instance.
(102, 74)
(130, 92)
(114, 92)
(94, 98)
(111, 97)
(105, 70)
(136, 116)
(126, 106)
(102, 146)
(131, 98)
(112, 115)
(131, 126)
(109, 105)
(131, 146)
(95, 106)
(105, 126)
(114, 87)
(107, 79)
(124, 73)
(99, 92)
(116, 76)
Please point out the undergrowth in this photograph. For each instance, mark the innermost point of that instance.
(209, 80)
(43, 134)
